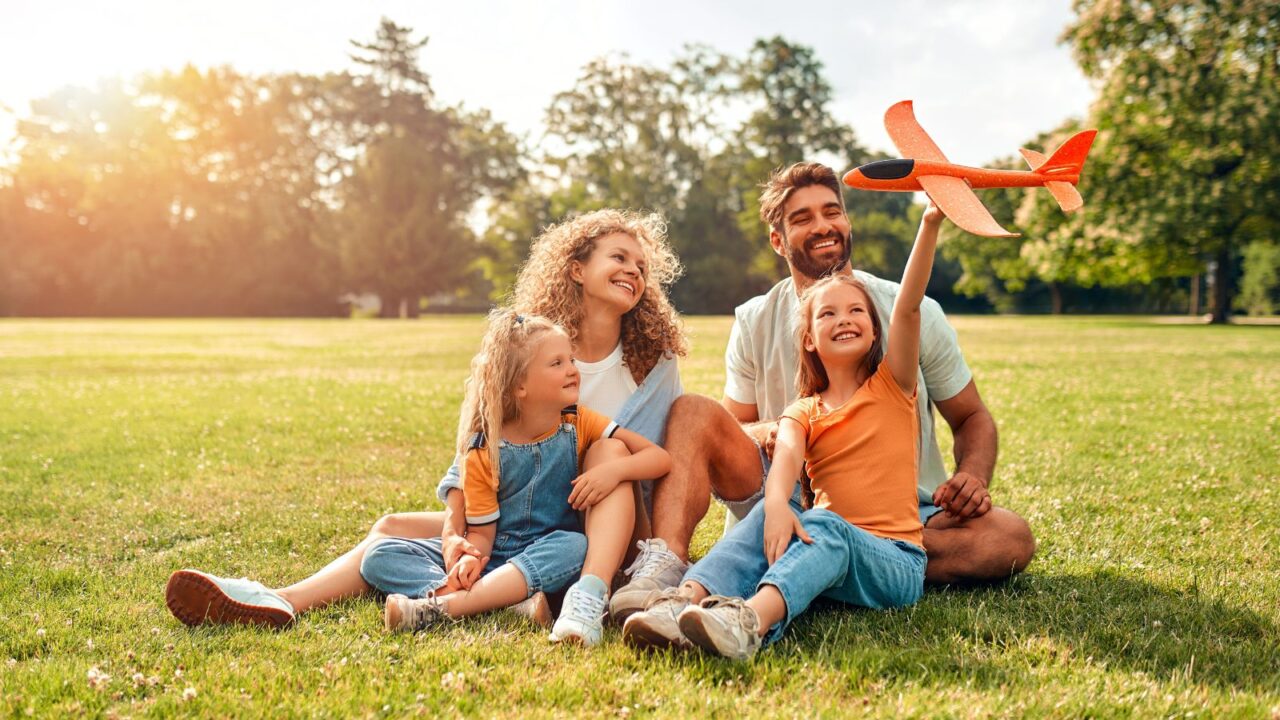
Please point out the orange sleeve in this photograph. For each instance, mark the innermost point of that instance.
(591, 427)
(479, 488)
(799, 411)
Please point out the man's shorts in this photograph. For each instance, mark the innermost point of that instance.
(740, 508)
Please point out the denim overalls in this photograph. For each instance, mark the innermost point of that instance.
(538, 531)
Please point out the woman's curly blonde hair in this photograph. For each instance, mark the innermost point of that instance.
(545, 287)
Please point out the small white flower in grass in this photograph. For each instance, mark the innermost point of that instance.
(98, 679)
(456, 682)
(188, 694)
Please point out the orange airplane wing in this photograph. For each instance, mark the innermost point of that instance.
(905, 132)
(961, 205)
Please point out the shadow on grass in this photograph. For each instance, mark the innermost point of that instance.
(1001, 635)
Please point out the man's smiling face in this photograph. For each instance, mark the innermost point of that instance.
(815, 232)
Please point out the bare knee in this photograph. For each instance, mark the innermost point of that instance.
(392, 525)
(604, 450)
(695, 416)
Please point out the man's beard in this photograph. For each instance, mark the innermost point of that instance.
(805, 264)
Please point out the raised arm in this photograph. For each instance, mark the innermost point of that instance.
(903, 354)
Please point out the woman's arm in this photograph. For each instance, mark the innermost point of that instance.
(903, 354)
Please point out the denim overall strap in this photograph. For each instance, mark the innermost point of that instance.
(533, 491)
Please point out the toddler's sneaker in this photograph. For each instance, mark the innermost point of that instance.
(536, 608)
(196, 598)
(655, 568)
(722, 625)
(581, 618)
(404, 614)
(657, 626)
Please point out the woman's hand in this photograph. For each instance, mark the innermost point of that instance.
(780, 524)
(591, 487)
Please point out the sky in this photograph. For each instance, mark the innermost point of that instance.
(985, 75)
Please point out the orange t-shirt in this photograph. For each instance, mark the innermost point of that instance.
(480, 487)
(862, 457)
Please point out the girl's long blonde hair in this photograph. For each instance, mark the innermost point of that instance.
(545, 287)
(496, 370)
(811, 375)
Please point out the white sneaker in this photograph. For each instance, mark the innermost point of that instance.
(657, 626)
(403, 614)
(655, 569)
(581, 618)
(722, 625)
(196, 598)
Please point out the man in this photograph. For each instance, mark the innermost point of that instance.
(722, 448)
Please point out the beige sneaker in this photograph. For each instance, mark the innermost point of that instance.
(657, 626)
(655, 568)
(722, 625)
(536, 608)
(403, 614)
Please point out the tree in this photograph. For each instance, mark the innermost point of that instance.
(1189, 114)
(419, 173)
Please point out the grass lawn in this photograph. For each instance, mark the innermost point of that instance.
(1146, 457)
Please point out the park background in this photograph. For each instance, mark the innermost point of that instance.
(1142, 449)
(203, 189)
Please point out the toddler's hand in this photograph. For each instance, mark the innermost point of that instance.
(455, 547)
(465, 573)
(780, 525)
(591, 487)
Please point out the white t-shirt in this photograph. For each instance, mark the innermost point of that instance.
(606, 385)
(761, 361)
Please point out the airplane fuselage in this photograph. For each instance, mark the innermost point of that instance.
(900, 176)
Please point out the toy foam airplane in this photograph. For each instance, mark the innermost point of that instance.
(924, 167)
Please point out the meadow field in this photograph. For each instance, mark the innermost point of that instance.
(1146, 456)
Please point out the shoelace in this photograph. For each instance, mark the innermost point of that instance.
(583, 604)
(649, 561)
(426, 611)
(746, 617)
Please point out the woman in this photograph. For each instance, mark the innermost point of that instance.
(603, 276)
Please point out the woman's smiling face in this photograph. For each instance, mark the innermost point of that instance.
(615, 272)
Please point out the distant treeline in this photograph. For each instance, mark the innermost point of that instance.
(217, 193)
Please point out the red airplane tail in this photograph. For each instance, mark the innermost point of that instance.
(1067, 161)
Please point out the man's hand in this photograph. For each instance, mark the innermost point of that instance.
(591, 487)
(964, 496)
(766, 434)
(455, 547)
(780, 524)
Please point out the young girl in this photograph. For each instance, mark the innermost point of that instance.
(603, 276)
(856, 426)
(523, 439)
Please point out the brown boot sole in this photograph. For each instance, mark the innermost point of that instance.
(196, 600)
(642, 636)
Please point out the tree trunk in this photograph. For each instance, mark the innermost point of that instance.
(387, 306)
(1195, 295)
(1222, 287)
(1055, 295)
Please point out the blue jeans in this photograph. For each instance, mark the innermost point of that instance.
(537, 530)
(416, 567)
(844, 563)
